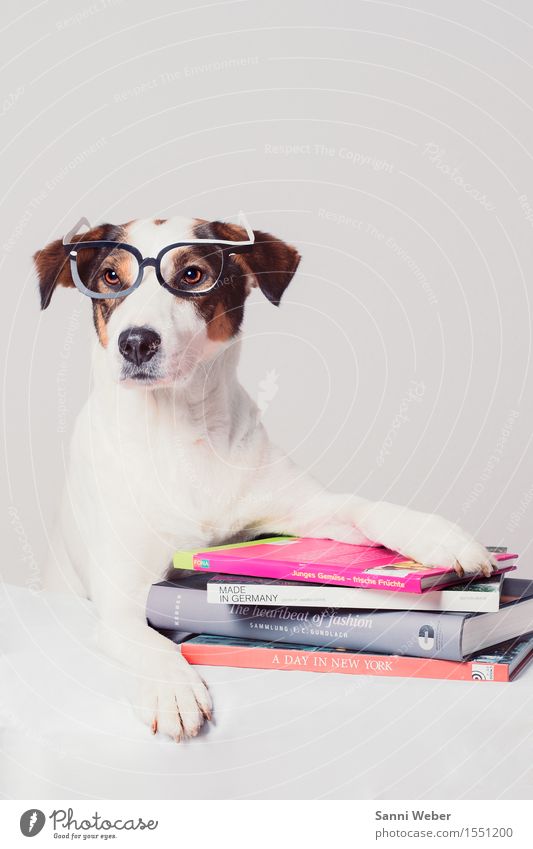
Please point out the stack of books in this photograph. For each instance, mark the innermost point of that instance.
(324, 606)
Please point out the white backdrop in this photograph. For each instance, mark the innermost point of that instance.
(391, 144)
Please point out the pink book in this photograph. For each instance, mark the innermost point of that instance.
(324, 561)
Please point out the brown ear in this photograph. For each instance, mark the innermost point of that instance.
(271, 262)
(52, 269)
(52, 262)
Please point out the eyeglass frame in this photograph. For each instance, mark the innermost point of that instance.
(229, 248)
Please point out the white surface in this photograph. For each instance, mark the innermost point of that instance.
(69, 732)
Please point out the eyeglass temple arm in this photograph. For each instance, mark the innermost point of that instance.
(83, 222)
(245, 223)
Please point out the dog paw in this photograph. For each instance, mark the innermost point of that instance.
(174, 700)
(434, 541)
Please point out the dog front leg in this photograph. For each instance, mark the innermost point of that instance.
(170, 696)
(300, 506)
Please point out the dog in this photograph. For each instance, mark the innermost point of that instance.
(169, 452)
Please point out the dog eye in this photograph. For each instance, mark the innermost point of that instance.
(111, 277)
(192, 275)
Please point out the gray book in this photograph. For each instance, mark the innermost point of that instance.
(182, 604)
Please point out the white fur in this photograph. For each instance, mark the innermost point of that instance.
(185, 463)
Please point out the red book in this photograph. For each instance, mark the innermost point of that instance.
(501, 663)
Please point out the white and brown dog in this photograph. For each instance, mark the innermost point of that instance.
(169, 452)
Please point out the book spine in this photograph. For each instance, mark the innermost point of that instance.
(419, 634)
(306, 572)
(254, 657)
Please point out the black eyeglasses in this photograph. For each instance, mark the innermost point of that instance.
(104, 269)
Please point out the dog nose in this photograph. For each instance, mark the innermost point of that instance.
(138, 344)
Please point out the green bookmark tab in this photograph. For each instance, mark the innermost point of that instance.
(184, 559)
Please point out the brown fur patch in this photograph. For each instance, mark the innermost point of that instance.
(220, 328)
(100, 322)
(52, 262)
(53, 268)
(159, 221)
(223, 309)
(272, 263)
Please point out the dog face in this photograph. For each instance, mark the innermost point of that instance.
(153, 337)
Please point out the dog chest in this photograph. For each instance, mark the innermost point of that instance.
(192, 484)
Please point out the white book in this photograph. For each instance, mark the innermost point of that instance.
(478, 596)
